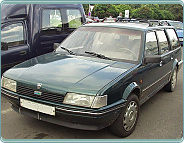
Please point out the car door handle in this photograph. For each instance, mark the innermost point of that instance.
(161, 63)
(23, 53)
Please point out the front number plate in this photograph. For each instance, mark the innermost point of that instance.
(37, 107)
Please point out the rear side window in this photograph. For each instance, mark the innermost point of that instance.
(163, 43)
(173, 38)
(151, 44)
(13, 35)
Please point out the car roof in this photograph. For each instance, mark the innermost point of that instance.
(128, 25)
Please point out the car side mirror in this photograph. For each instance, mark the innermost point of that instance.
(4, 46)
(152, 59)
(55, 46)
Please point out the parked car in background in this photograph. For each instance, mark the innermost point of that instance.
(88, 20)
(29, 30)
(178, 26)
(109, 20)
(95, 19)
(98, 77)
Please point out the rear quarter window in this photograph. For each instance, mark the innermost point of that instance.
(173, 38)
(163, 43)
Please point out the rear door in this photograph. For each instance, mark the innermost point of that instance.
(156, 74)
(56, 25)
(14, 36)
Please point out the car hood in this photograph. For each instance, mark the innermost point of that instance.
(62, 73)
(179, 32)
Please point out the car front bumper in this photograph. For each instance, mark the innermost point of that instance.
(180, 63)
(68, 116)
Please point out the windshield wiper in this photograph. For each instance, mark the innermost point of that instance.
(70, 52)
(97, 55)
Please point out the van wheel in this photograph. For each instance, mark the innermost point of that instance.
(125, 124)
(170, 87)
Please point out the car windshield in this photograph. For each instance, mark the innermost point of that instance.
(114, 43)
(177, 25)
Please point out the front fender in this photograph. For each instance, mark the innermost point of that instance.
(131, 87)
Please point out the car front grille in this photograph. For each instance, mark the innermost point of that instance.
(47, 96)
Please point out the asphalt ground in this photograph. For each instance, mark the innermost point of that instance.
(161, 117)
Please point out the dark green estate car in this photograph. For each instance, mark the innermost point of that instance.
(98, 77)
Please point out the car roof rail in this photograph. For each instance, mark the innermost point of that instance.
(153, 22)
(126, 20)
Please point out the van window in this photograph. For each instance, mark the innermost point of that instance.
(151, 44)
(74, 18)
(13, 35)
(58, 21)
(163, 43)
(173, 38)
(51, 18)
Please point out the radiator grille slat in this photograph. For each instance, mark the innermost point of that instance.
(47, 96)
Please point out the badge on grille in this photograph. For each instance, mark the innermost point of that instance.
(39, 85)
(37, 93)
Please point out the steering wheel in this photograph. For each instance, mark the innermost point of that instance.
(133, 55)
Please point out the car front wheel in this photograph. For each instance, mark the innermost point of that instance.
(126, 122)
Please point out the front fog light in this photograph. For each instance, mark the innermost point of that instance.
(9, 84)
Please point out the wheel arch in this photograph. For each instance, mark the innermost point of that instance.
(132, 88)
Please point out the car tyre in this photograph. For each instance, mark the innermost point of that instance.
(125, 124)
(170, 87)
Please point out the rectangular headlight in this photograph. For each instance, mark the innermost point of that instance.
(9, 84)
(78, 99)
(85, 100)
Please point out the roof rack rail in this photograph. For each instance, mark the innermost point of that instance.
(151, 22)
(126, 20)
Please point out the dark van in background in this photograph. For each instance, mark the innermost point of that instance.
(30, 30)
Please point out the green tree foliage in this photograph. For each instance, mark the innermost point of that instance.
(86, 8)
(143, 12)
(168, 15)
(149, 11)
(121, 9)
(105, 10)
(177, 10)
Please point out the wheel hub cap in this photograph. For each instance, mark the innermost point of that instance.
(130, 116)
